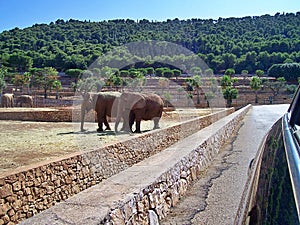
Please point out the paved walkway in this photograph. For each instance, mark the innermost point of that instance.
(214, 199)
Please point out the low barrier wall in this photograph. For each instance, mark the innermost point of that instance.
(35, 114)
(46, 114)
(28, 192)
(144, 193)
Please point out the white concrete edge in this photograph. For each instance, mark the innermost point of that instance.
(94, 204)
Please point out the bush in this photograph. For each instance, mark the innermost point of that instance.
(290, 71)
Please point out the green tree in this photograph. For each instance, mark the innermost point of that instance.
(259, 73)
(115, 81)
(49, 77)
(74, 73)
(167, 98)
(276, 86)
(168, 73)
(196, 71)
(209, 72)
(57, 85)
(291, 88)
(18, 81)
(226, 81)
(89, 84)
(229, 60)
(3, 73)
(196, 83)
(27, 81)
(124, 73)
(36, 77)
(244, 75)
(255, 85)
(19, 62)
(159, 71)
(150, 71)
(229, 72)
(229, 94)
(176, 73)
(290, 71)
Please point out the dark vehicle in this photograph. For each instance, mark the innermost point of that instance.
(272, 192)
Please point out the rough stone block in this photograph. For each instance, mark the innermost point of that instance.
(4, 209)
(5, 191)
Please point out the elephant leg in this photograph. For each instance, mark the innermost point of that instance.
(100, 127)
(137, 126)
(106, 124)
(131, 120)
(126, 121)
(100, 122)
(156, 123)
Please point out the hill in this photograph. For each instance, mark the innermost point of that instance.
(247, 43)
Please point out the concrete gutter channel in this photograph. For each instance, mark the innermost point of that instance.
(145, 192)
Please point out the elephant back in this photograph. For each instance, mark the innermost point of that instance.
(107, 103)
(25, 99)
(7, 100)
(154, 106)
(133, 100)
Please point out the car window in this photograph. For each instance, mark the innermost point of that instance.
(297, 133)
(294, 109)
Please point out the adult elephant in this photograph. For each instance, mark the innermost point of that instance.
(102, 103)
(7, 100)
(137, 107)
(25, 100)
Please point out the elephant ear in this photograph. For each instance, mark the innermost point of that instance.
(139, 102)
(88, 101)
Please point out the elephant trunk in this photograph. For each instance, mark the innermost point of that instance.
(118, 119)
(119, 114)
(82, 119)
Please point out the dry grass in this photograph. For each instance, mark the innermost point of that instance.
(24, 143)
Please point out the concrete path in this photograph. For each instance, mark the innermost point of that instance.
(214, 199)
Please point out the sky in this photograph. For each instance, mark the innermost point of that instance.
(25, 13)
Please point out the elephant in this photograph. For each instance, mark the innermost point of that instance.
(136, 107)
(25, 100)
(7, 100)
(103, 103)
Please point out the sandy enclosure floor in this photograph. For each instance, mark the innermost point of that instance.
(24, 142)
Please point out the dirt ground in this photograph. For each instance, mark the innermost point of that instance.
(24, 142)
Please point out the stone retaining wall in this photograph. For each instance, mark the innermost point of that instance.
(144, 193)
(28, 192)
(45, 114)
(41, 115)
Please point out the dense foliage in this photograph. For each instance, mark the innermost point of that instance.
(248, 43)
(290, 71)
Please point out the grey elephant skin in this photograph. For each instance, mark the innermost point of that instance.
(7, 100)
(103, 103)
(135, 107)
(25, 101)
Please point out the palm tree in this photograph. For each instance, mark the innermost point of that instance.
(226, 81)
(255, 85)
(229, 94)
(57, 85)
(196, 82)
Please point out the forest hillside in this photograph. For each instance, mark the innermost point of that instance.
(248, 43)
